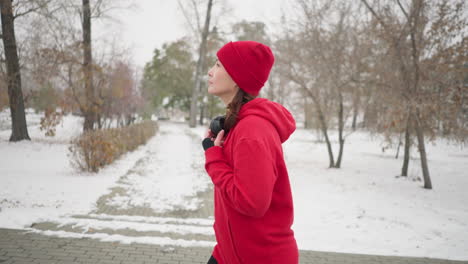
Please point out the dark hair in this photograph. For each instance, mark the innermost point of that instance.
(233, 108)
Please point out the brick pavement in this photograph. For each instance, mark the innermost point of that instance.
(19, 246)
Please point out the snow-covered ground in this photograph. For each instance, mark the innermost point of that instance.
(364, 208)
(175, 158)
(37, 180)
(360, 208)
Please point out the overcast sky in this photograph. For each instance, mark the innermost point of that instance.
(154, 22)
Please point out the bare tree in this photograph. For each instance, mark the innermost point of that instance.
(15, 93)
(418, 40)
(319, 59)
(199, 69)
(90, 110)
(75, 53)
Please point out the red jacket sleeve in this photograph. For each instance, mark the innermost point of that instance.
(248, 185)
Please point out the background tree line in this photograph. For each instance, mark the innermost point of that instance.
(48, 63)
(395, 68)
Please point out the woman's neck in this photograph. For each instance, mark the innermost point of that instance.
(227, 98)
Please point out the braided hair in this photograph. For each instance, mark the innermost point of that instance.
(233, 108)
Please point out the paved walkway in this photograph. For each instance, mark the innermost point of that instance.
(17, 246)
(143, 223)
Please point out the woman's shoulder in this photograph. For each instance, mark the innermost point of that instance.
(254, 122)
(253, 126)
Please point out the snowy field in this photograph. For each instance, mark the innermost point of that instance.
(360, 208)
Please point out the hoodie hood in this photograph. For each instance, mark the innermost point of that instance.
(277, 114)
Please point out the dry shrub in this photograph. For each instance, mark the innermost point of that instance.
(50, 121)
(95, 149)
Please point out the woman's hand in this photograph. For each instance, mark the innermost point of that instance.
(208, 134)
(210, 141)
(219, 141)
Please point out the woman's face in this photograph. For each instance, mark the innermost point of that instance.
(220, 83)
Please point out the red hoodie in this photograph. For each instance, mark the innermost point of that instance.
(253, 202)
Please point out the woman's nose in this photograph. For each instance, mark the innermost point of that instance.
(210, 72)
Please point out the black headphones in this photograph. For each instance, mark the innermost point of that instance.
(217, 124)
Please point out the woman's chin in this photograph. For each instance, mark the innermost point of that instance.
(211, 90)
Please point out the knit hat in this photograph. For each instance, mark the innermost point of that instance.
(248, 63)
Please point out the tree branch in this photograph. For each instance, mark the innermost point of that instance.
(374, 14)
(40, 5)
(185, 13)
(402, 9)
(197, 15)
(415, 53)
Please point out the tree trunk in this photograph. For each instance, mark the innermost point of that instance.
(355, 114)
(324, 128)
(329, 148)
(200, 63)
(19, 128)
(306, 114)
(323, 125)
(369, 116)
(90, 113)
(128, 120)
(366, 108)
(271, 91)
(406, 157)
(202, 113)
(398, 147)
(422, 152)
(418, 6)
(340, 132)
(99, 121)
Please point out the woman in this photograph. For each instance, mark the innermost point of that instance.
(253, 201)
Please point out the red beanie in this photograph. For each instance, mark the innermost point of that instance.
(248, 63)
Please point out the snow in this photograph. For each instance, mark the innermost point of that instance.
(126, 240)
(361, 208)
(159, 220)
(38, 181)
(364, 208)
(173, 167)
(141, 226)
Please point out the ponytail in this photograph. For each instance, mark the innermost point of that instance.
(233, 108)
